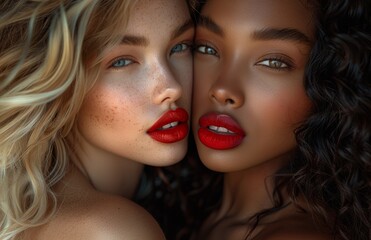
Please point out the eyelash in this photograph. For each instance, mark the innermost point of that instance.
(115, 61)
(127, 61)
(187, 46)
(207, 49)
(276, 60)
(279, 60)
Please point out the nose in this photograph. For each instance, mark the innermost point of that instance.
(227, 93)
(167, 88)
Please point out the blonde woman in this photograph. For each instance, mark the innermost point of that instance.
(90, 91)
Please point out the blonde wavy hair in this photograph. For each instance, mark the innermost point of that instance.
(49, 58)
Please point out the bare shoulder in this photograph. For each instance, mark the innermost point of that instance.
(99, 217)
(294, 229)
(118, 218)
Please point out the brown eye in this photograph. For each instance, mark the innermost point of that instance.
(274, 63)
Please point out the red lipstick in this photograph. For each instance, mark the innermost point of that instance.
(171, 127)
(220, 131)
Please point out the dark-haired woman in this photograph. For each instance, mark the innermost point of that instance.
(282, 104)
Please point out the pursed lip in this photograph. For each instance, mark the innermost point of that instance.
(171, 127)
(220, 131)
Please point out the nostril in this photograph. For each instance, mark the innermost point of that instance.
(222, 99)
(166, 99)
(229, 101)
(226, 97)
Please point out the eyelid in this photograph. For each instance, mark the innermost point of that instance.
(199, 44)
(188, 43)
(277, 57)
(126, 58)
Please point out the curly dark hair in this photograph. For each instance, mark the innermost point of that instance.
(331, 167)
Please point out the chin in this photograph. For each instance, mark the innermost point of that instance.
(171, 155)
(223, 161)
(214, 166)
(211, 158)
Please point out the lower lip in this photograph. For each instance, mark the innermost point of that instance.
(171, 135)
(218, 141)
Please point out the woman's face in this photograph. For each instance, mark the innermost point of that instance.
(138, 109)
(248, 91)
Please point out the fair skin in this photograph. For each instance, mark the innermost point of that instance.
(145, 78)
(248, 100)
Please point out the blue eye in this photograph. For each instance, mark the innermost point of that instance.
(121, 62)
(204, 49)
(181, 47)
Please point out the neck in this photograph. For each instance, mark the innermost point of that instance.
(249, 191)
(106, 171)
(78, 182)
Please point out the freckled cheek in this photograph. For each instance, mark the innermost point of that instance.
(104, 109)
(96, 112)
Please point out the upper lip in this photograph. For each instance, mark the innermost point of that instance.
(221, 120)
(178, 115)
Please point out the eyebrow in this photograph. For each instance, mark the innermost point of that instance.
(182, 28)
(263, 34)
(135, 40)
(281, 34)
(143, 41)
(209, 24)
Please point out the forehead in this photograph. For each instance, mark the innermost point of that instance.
(153, 15)
(262, 14)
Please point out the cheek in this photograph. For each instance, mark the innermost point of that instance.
(284, 110)
(96, 111)
(282, 98)
(204, 76)
(105, 106)
(295, 107)
(203, 70)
